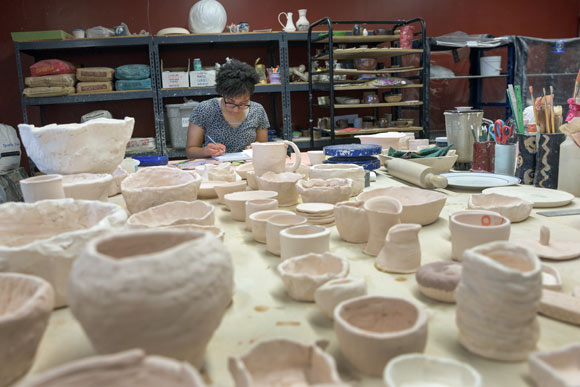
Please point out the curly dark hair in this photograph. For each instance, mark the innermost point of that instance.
(236, 78)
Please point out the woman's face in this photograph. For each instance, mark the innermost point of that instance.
(237, 103)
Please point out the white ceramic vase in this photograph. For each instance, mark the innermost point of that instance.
(277, 223)
(304, 239)
(42, 188)
(352, 222)
(302, 23)
(382, 213)
(337, 290)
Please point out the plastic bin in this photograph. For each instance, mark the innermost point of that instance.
(177, 121)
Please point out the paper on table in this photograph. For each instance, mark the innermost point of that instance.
(236, 156)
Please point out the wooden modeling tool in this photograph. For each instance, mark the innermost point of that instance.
(546, 112)
(552, 108)
(577, 86)
(534, 104)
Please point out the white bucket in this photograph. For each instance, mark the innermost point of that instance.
(490, 65)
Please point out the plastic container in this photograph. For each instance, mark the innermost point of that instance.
(177, 120)
(151, 161)
(490, 65)
(197, 64)
(569, 174)
(441, 142)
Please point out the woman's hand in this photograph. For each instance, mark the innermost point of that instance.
(212, 150)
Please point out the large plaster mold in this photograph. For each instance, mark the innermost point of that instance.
(173, 214)
(513, 208)
(324, 191)
(87, 186)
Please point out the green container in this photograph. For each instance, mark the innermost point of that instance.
(29, 36)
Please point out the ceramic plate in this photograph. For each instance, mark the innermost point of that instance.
(541, 197)
(315, 208)
(478, 180)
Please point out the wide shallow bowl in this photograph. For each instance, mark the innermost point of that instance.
(513, 208)
(324, 191)
(243, 169)
(441, 164)
(174, 213)
(229, 187)
(556, 368)
(207, 189)
(420, 206)
(87, 186)
(236, 201)
(96, 146)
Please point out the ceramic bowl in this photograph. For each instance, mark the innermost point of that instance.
(371, 330)
(207, 189)
(284, 183)
(316, 157)
(333, 292)
(259, 205)
(393, 98)
(304, 239)
(424, 370)
(173, 214)
(236, 201)
(302, 275)
(439, 164)
(556, 368)
(243, 169)
(344, 171)
(365, 64)
(324, 191)
(87, 186)
(404, 123)
(513, 208)
(258, 221)
(223, 189)
(220, 233)
(275, 225)
(420, 206)
(351, 221)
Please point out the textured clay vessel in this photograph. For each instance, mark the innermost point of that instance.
(271, 156)
(476, 227)
(26, 303)
(236, 201)
(438, 280)
(87, 186)
(423, 370)
(382, 213)
(252, 179)
(304, 274)
(229, 187)
(204, 170)
(283, 362)
(173, 214)
(129, 368)
(49, 236)
(401, 252)
(221, 174)
(119, 174)
(420, 206)
(207, 189)
(351, 222)
(371, 330)
(96, 146)
(42, 188)
(497, 301)
(344, 171)
(335, 291)
(243, 169)
(159, 284)
(277, 223)
(284, 183)
(513, 208)
(257, 206)
(153, 186)
(259, 220)
(324, 191)
(305, 239)
(556, 368)
(547, 248)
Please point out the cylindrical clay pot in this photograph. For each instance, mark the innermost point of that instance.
(351, 221)
(304, 239)
(277, 223)
(164, 291)
(259, 205)
(383, 213)
(42, 187)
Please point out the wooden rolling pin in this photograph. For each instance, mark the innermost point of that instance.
(415, 173)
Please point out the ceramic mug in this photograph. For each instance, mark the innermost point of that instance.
(271, 156)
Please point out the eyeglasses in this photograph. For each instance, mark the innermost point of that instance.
(233, 105)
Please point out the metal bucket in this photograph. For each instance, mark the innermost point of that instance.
(458, 128)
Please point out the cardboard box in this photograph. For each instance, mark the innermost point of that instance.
(175, 77)
(202, 78)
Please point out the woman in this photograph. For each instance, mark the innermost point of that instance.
(229, 123)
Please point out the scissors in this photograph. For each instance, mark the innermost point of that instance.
(502, 132)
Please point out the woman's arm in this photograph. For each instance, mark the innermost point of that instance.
(194, 148)
(262, 135)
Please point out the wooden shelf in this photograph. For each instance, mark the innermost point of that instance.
(354, 53)
(356, 87)
(362, 39)
(341, 132)
(383, 71)
(376, 105)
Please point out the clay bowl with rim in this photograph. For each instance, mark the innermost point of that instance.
(236, 201)
(304, 239)
(556, 368)
(420, 206)
(207, 189)
(259, 220)
(371, 330)
(324, 190)
(41, 187)
(243, 169)
(230, 187)
(284, 183)
(220, 233)
(87, 186)
(304, 274)
(423, 370)
(26, 304)
(513, 208)
(174, 213)
(128, 368)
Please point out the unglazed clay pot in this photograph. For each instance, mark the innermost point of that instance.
(324, 191)
(382, 213)
(173, 214)
(497, 301)
(50, 234)
(556, 368)
(417, 369)
(371, 330)
(243, 169)
(345, 171)
(236, 201)
(230, 187)
(277, 223)
(513, 208)
(283, 362)
(221, 174)
(87, 186)
(283, 183)
(218, 232)
(401, 252)
(204, 170)
(438, 280)
(259, 220)
(119, 174)
(304, 274)
(153, 186)
(129, 368)
(207, 189)
(26, 303)
(304, 239)
(271, 156)
(420, 206)
(42, 188)
(257, 206)
(252, 179)
(476, 227)
(96, 146)
(159, 284)
(337, 290)
(352, 222)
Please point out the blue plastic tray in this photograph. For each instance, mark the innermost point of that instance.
(352, 150)
(151, 161)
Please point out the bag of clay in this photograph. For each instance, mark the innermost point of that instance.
(51, 80)
(95, 74)
(139, 84)
(132, 71)
(94, 87)
(9, 148)
(42, 91)
(96, 114)
(51, 67)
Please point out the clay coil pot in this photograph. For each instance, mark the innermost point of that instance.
(371, 330)
(50, 235)
(26, 303)
(304, 239)
(324, 191)
(344, 171)
(173, 214)
(159, 284)
(351, 222)
(277, 223)
(153, 186)
(87, 186)
(513, 208)
(259, 205)
(236, 201)
(382, 214)
(337, 290)
(284, 183)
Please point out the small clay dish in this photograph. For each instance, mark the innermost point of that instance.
(513, 208)
(393, 98)
(557, 368)
(438, 280)
(174, 213)
(404, 123)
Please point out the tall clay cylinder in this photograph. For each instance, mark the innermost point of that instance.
(548, 160)
(526, 158)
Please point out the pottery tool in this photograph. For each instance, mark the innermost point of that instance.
(552, 108)
(546, 113)
(520, 111)
(534, 104)
(575, 211)
(476, 139)
(577, 86)
(415, 173)
(513, 102)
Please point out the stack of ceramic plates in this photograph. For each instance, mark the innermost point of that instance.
(317, 213)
